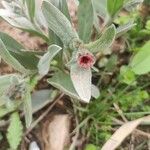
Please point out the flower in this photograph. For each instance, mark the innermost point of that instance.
(85, 60)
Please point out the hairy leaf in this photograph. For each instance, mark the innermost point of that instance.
(66, 85)
(15, 131)
(104, 41)
(7, 57)
(81, 79)
(124, 28)
(41, 98)
(64, 9)
(58, 23)
(85, 20)
(130, 5)
(25, 58)
(100, 7)
(28, 106)
(44, 63)
(31, 8)
(95, 91)
(63, 82)
(6, 81)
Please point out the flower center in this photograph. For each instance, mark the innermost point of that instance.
(86, 60)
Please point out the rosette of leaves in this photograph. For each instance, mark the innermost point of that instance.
(76, 54)
(83, 53)
(73, 48)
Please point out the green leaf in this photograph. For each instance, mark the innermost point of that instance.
(127, 75)
(100, 7)
(132, 4)
(66, 85)
(58, 23)
(81, 79)
(41, 98)
(104, 42)
(113, 6)
(27, 106)
(62, 6)
(95, 91)
(85, 20)
(44, 63)
(31, 8)
(140, 63)
(90, 147)
(24, 24)
(8, 106)
(63, 82)
(64, 9)
(146, 2)
(15, 131)
(124, 28)
(6, 81)
(25, 58)
(7, 57)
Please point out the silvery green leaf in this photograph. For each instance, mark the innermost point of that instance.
(39, 18)
(41, 98)
(95, 91)
(6, 13)
(96, 22)
(85, 20)
(24, 24)
(105, 40)
(131, 5)
(6, 5)
(27, 106)
(31, 8)
(56, 3)
(7, 57)
(44, 63)
(6, 81)
(64, 9)
(63, 82)
(81, 79)
(26, 59)
(100, 7)
(124, 28)
(62, 6)
(21, 22)
(58, 23)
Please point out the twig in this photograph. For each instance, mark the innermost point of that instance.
(43, 115)
(132, 141)
(75, 138)
(120, 112)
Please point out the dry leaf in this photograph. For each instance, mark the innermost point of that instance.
(126, 129)
(57, 133)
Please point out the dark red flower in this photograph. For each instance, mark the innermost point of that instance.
(85, 60)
